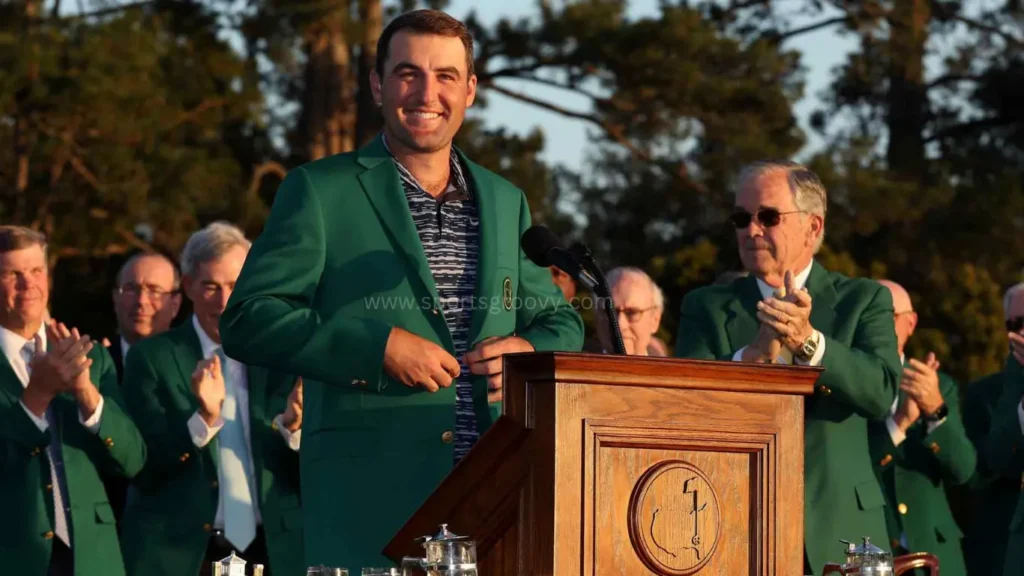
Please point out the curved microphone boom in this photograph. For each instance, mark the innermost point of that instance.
(544, 249)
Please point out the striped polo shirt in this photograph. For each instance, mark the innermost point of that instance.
(449, 229)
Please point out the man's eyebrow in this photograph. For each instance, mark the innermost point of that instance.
(404, 66)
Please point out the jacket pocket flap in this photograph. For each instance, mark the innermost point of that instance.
(869, 495)
(104, 513)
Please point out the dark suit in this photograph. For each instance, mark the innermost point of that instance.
(116, 486)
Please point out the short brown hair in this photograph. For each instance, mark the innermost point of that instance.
(425, 22)
(18, 238)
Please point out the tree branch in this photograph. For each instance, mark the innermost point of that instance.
(952, 79)
(264, 170)
(109, 10)
(966, 128)
(615, 132)
(191, 115)
(780, 37)
(1010, 38)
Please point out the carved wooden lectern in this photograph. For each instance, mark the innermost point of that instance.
(616, 465)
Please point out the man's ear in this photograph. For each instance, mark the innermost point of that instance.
(375, 88)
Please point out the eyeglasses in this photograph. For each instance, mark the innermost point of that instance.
(634, 314)
(154, 292)
(766, 217)
(1015, 324)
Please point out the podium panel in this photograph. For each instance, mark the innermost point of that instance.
(605, 465)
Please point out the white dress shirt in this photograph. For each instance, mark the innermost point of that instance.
(202, 433)
(13, 346)
(124, 349)
(784, 358)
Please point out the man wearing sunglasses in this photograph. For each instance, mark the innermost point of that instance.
(994, 417)
(791, 309)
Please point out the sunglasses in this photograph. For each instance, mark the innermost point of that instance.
(766, 217)
(1015, 324)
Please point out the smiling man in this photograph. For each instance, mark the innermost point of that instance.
(790, 309)
(392, 280)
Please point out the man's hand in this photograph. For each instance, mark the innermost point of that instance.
(921, 383)
(208, 386)
(1017, 346)
(764, 349)
(47, 380)
(292, 418)
(790, 316)
(485, 360)
(416, 361)
(74, 347)
(907, 413)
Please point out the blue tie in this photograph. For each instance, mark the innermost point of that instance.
(236, 492)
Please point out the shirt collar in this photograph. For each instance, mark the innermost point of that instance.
(456, 180)
(12, 344)
(800, 281)
(124, 348)
(205, 342)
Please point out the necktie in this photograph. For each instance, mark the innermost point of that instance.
(236, 492)
(59, 488)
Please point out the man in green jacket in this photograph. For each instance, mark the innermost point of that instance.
(61, 425)
(392, 280)
(223, 437)
(918, 449)
(993, 497)
(1004, 444)
(822, 319)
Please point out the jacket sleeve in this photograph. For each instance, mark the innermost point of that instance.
(169, 443)
(1003, 446)
(866, 373)
(270, 320)
(119, 445)
(694, 337)
(544, 318)
(949, 443)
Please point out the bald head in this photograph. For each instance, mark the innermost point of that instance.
(904, 316)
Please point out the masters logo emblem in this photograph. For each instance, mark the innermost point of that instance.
(507, 293)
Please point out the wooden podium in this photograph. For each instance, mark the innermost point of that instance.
(616, 465)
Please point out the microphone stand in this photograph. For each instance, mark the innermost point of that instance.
(604, 292)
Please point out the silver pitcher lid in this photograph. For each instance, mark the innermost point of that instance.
(443, 535)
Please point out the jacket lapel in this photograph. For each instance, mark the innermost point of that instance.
(9, 379)
(383, 187)
(741, 323)
(259, 399)
(487, 207)
(823, 299)
(187, 353)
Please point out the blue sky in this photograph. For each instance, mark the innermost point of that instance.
(566, 139)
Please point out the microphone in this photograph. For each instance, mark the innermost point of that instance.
(544, 249)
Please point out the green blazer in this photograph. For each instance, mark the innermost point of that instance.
(992, 497)
(914, 475)
(26, 529)
(173, 501)
(842, 498)
(1004, 454)
(339, 263)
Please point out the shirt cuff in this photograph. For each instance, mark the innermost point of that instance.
(292, 439)
(897, 435)
(932, 426)
(201, 432)
(1020, 415)
(40, 423)
(93, 423)
(819, 352)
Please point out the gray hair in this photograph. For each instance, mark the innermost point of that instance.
(809, 193)
(1009, 296)
(617, 274)
(211, 243)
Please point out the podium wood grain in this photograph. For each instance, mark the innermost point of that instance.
(609, 465)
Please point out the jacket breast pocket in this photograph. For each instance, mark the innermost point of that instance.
(869, 495)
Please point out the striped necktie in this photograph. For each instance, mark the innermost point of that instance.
(55, 455)
(236, 491)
